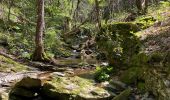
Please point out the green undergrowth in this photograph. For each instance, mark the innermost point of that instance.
(14, 12)
(103, 73)
(7, 65)
(155, 14)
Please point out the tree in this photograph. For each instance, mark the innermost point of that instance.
(39, 54)
(142, 6)
(97, 9)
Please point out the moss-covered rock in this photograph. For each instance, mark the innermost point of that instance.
(123, 95)
(117, 41)
(131, 75)
(156, 57)
(141, 86)
(145, 22)
(76, 88)
(155, 83)
(122, 27)
(7, 65)
(147, 80)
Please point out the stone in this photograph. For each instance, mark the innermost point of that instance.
(22, 92)
(123, 95)
(27, 88)
(59, 74)
(29, 83)
(3, 94)
(131, 75)
(77, 88)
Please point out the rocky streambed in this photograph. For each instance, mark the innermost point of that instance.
(55, 86)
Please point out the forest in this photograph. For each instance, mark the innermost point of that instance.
(84, 49)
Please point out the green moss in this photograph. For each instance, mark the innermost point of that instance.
(73, 87)
(7, 64)
(123, 95)
(155, 84)
(156, 57)
(131, 75)
(117, 41)
(141, 87)
(139, 60)
(145, 21)
(121, 27)
(60, 84)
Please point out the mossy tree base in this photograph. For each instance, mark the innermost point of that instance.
(40, 57)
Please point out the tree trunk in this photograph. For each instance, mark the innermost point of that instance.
(39, 54)
(97, 14)
(10, 3)
(139, 6)
(142, 6)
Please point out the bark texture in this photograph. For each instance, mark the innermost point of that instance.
(39, 54)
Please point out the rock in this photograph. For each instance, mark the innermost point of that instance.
(27, 88)
(59, 74)
(123, 95)
(23, 92)
(3, 94)
(118, 33)
(29, 83)
(154, 83)
(118, 84)
(131, 75)
(65, 88)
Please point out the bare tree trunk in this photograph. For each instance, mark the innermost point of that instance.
(39, 54)
(139, 5)
(97, 14)
(142, 6)
(10, 3)
(145, 6)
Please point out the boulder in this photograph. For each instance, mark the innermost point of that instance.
(123, 95)
(77, 88)
(27, 88)
(148, 80)
(3, 94)
(131, 75)
(156, 84)
(29, 83)
(118, 41)
(23, 92)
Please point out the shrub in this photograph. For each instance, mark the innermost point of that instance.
(118, 42)
(103, 73)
